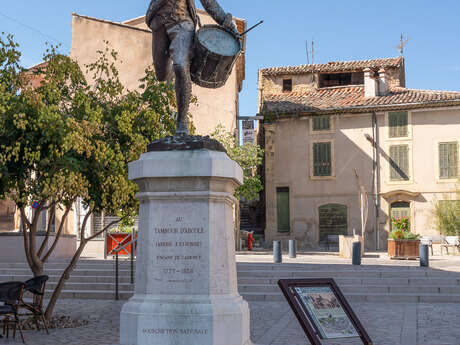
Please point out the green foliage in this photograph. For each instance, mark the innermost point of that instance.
(126, 229)
(401, 230)
(447, 216)
(248, 156)
(70, 137)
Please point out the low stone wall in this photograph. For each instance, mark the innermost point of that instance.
(12, 246)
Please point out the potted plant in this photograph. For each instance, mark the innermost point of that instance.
(402, 243)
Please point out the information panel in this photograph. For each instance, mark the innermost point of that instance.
(322, 310)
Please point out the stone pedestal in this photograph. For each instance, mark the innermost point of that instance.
(186, 286)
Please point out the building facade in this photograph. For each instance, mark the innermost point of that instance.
(347, 144)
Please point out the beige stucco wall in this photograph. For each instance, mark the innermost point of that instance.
(7, 215)
(133, 42)
(288, 164)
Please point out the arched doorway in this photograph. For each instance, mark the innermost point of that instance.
(333, 220)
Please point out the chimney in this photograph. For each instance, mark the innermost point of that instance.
(384, 87)
(370, 84)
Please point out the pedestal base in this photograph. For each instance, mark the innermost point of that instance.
(183, 320)
(186, 286)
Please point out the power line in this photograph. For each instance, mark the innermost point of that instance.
(33, 29)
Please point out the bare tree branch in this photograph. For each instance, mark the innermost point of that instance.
(105, 228)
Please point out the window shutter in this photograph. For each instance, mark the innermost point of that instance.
(404, 160)
(448, 160)
(453, 160)
(398, 124)
(399, 162)
(321, 123)
(443, 160)
(322, 159)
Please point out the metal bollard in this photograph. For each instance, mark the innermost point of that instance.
(292, 249)
(356, 253)
(424, 256)
(277, 253)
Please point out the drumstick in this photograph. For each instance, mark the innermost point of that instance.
(252, 27)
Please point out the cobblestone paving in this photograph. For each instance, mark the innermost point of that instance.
(438, 324)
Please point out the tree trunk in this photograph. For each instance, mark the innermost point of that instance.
(64, 277)
(73, 263)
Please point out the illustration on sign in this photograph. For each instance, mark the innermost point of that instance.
(328, 315)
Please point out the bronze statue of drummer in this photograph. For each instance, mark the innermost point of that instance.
(173, 25)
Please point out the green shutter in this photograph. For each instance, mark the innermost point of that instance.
(448, 160)
(322, 159)
(282, 205)
(398, 124)
(399, 162)
(321, 123)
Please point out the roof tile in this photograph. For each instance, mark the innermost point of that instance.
(340, 66)
(351, 98)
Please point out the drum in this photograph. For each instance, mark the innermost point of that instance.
(215, 53)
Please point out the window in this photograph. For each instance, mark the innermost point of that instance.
(283, 212)
(322, 159)
(341, 79)
(333, 220)
(287, 84)
(398, 124)
(399, 162)
(448, 160)
(321, 123)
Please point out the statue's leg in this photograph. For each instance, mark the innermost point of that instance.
(180, 50)
(161, 59)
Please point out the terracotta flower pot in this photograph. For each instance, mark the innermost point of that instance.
(403, 249)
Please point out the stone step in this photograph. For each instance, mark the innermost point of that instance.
(258, 273)
(257, 285)
(370, 297)
(278, 297)
(363, 289)
(76, 272)
(351, 281)
(79, 277)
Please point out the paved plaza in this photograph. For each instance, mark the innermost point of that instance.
(272, 323)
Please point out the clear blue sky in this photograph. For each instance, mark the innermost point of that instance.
(342, 30)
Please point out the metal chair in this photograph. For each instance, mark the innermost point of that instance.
(11, 296)
(450, 242)
(36, 286)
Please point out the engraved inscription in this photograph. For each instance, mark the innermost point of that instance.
(178, 246)
(175, 331)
